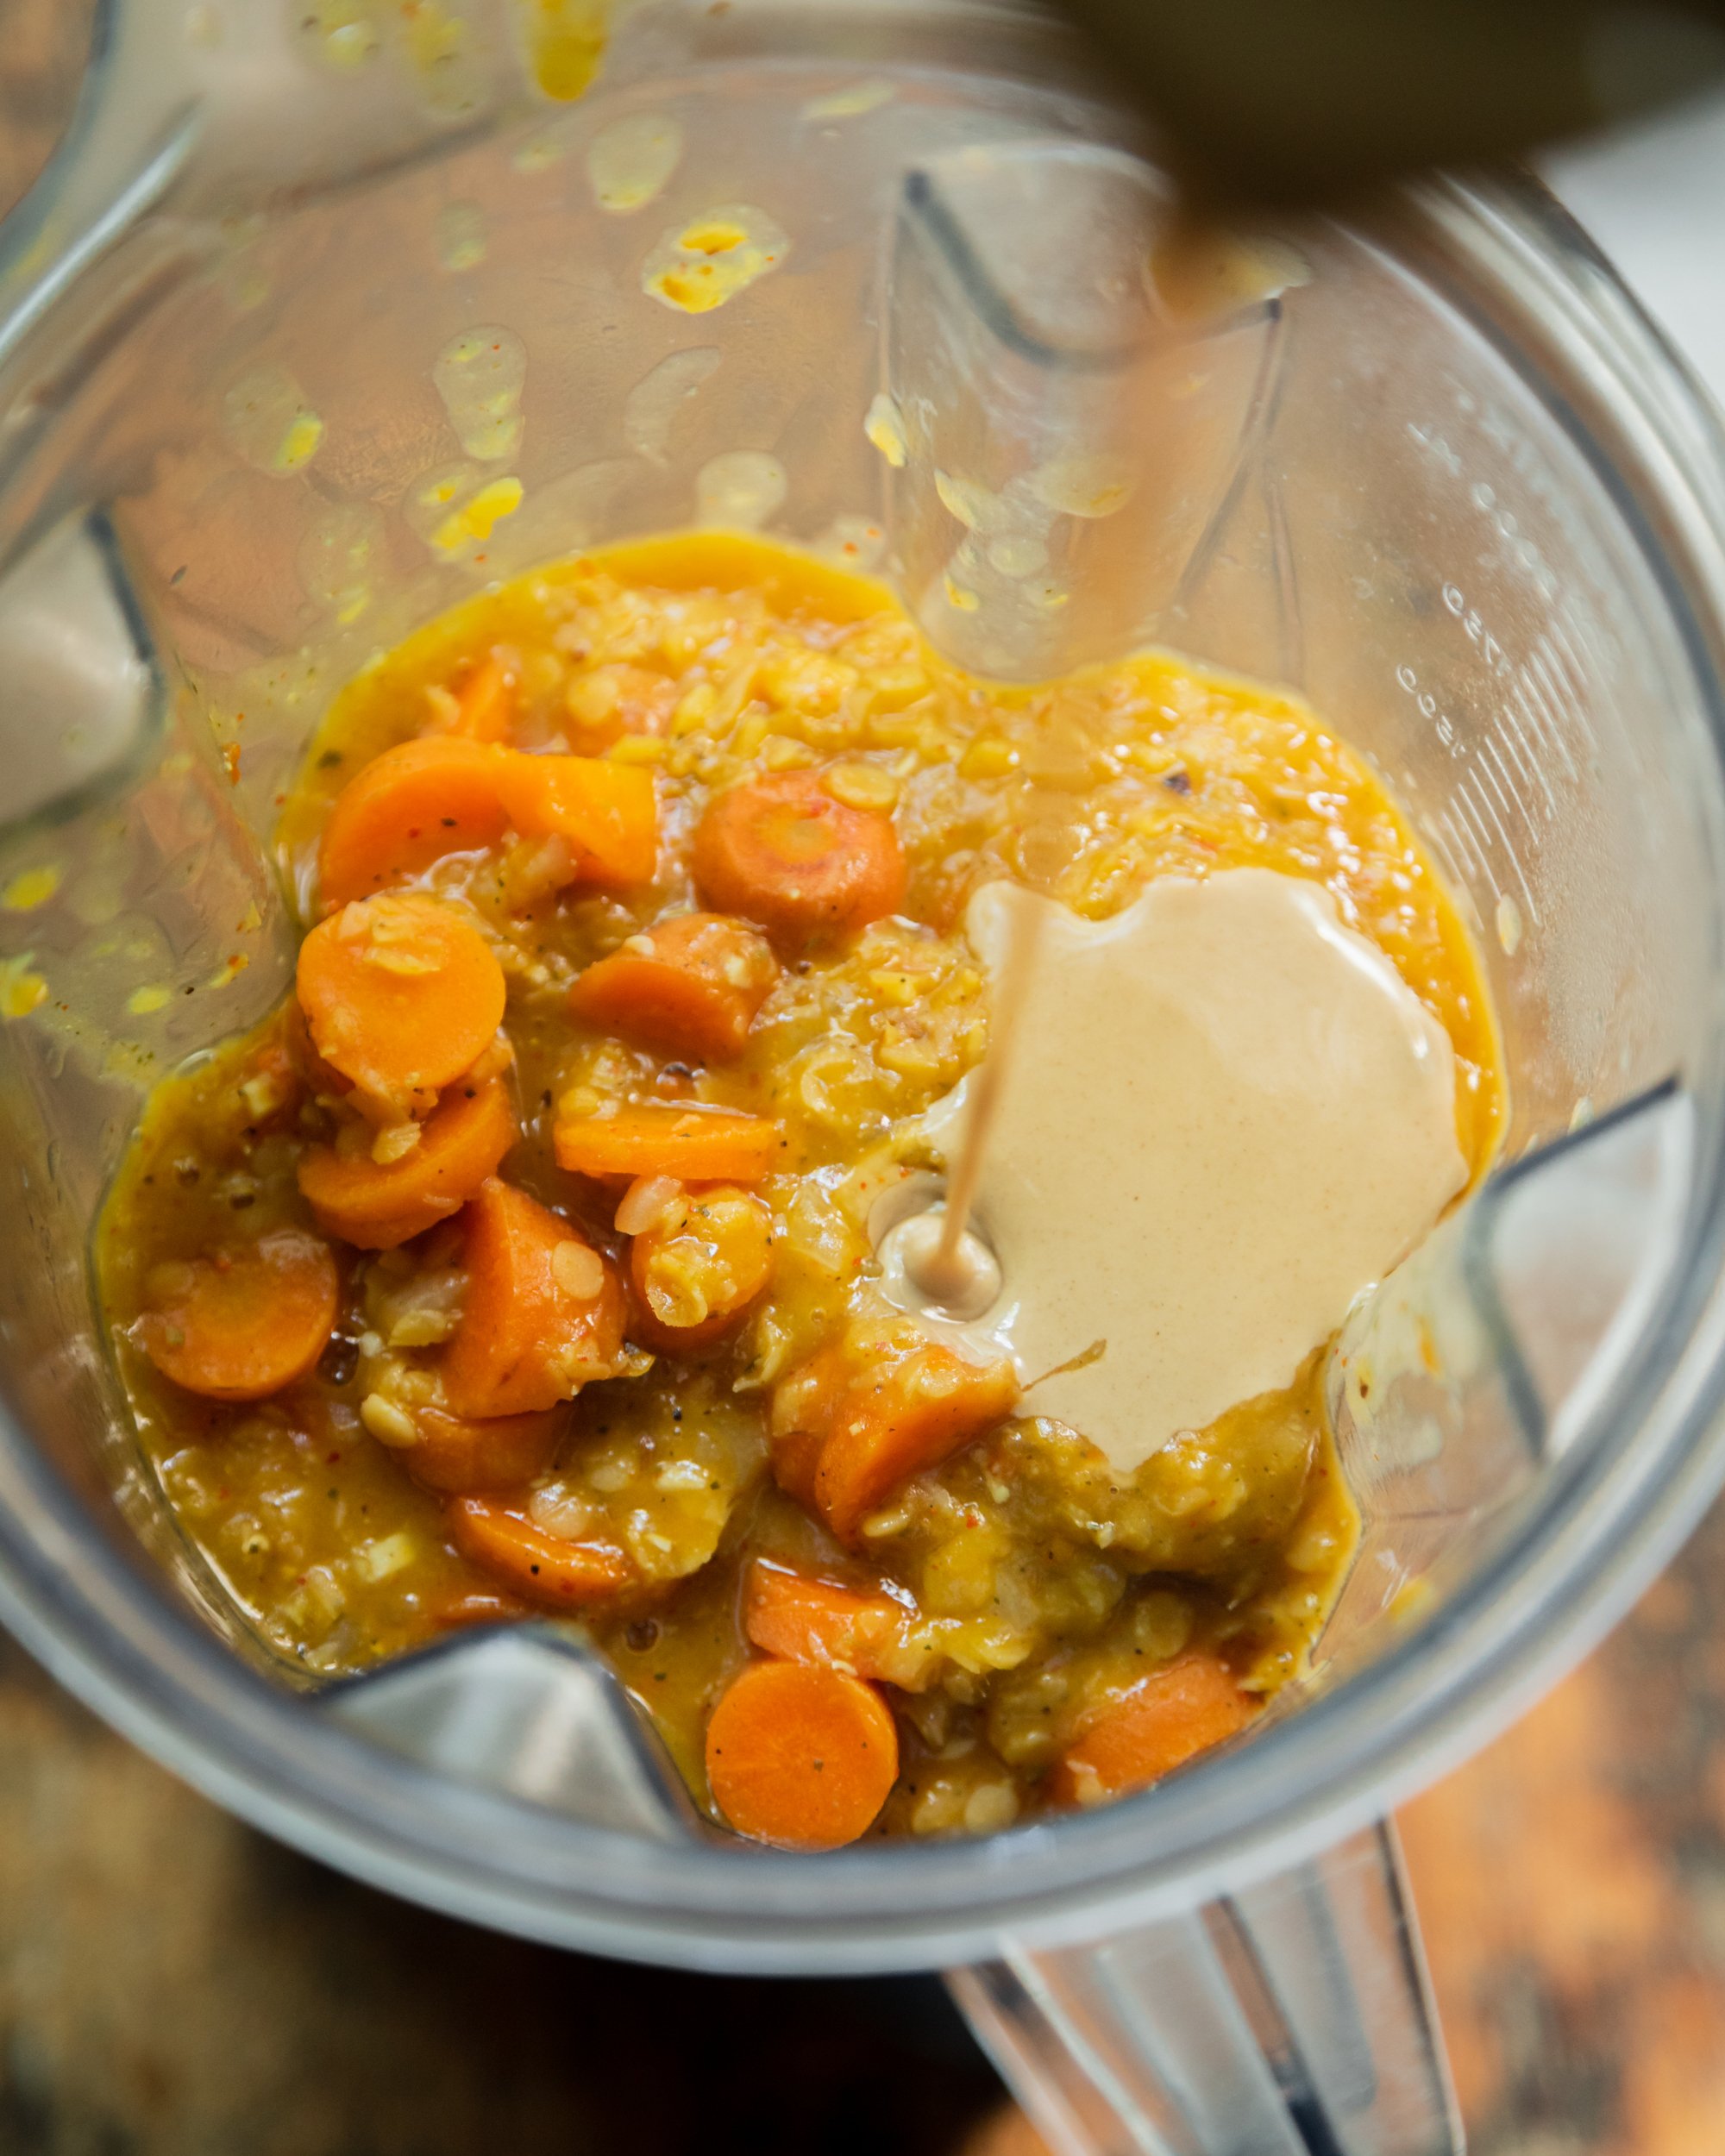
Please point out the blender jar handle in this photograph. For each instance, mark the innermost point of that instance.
(1292, 2019)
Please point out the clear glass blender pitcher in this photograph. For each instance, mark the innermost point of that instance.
(327, 314)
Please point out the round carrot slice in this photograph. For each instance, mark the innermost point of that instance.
(691, 986)
(501, 1540)
(378, 1204)
(694, 1144)
(406, 809)
(455, 1453)
(698, 1268)
(1162, 1720)
(240, 1324)
(800, 1755)
(801, 1618)
(401, 995)
(782, 852)
(606, 814)
(543, 1312)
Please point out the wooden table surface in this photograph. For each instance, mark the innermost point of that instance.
(172, 1984)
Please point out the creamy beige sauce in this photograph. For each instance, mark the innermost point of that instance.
(1226, 1115)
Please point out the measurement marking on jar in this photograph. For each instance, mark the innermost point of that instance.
(1434, 832)
(1499, 663)
(1514, 859)
(1543, 660)
(1524, 689)
(1536, 679)
(1557, 643)
(1467, 846)
(1428, 707)
(1509, 733)
(1504, 787)
(1475, 825)
(1474, 629)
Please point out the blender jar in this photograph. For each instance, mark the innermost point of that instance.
(327, 315)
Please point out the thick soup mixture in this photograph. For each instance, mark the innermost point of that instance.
(523, 1266)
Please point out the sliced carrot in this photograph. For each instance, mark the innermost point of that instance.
(783, 852)
(691, 986)
(1166, 1719)
(378, 1206)
(447, 793)
(868, 1422)
(484, 708)
(796, 1462)
(606, 814)
(693, 1144)
(501, 1540)
(800, 1755)
(698, 1269)
(406, 809)
(321, 1077)
(804, 1620)
(401, 995)
(240, 1324)
(543, 1310)
(500, 1452)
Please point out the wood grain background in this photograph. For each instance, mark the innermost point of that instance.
(171, 1984)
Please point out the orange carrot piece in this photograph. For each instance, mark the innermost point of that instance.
(319, 1076)
(804, 1620)
(501, 1540)
(486, 707)
(783, 852)
(406, 809)
(866, 1428)
(240, 1325)
(544, 1312)
(693, 1144)
(698, 1268)
(606, 814)
(1166, 1719)
(401, 995)
(691, 987)
(450, 793)
(800, 1755)
(378, 1206)
(501, 1452)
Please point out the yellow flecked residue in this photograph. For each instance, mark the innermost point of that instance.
(851, 104)
(30, 888)
(270, 421)
(476, 521)
(566, 41)
(885, 428)
(710, 259)
(20, 990)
